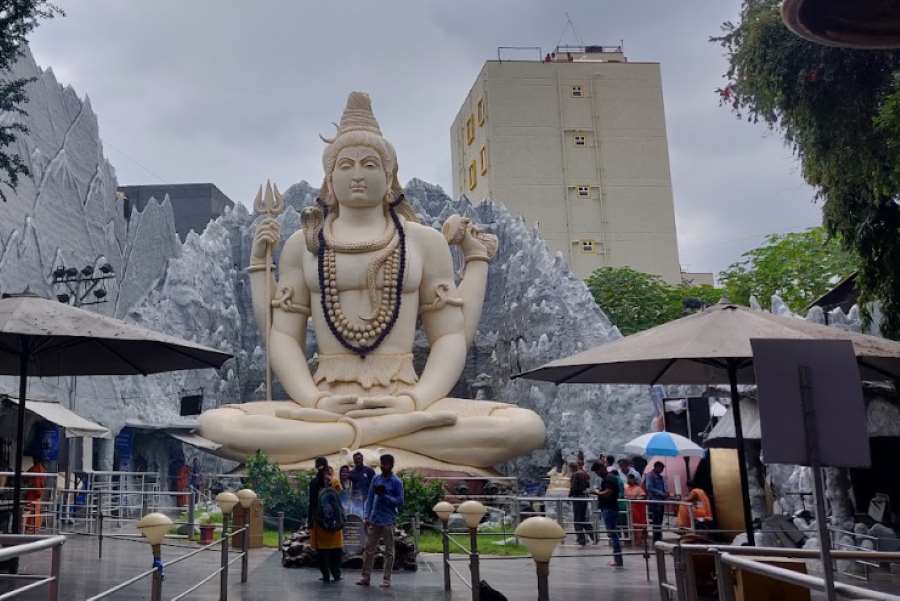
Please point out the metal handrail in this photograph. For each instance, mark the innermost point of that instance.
(804, 580)
(30, 544)
(728, 555)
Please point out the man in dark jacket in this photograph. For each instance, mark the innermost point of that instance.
(579, 486)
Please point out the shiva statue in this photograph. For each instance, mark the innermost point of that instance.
(363, 272)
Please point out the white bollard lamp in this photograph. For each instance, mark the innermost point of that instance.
(443, 510)
(154, 527)
(246, 497)
(472, 512)
(226, 501)
(541, 535)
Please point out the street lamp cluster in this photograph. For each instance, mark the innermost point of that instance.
(75, 286)
(540, 534)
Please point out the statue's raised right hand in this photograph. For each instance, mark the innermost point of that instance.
(268, 232)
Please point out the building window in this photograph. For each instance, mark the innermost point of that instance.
(470, 129)
(480, 111)
(579, 140)
(588, 246)
(577, 91)
(583, 191)
(473, 175)
(482, 157)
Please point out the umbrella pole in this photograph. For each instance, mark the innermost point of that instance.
(20, 437)
(741, 452)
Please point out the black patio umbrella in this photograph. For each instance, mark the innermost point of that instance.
(711, 347)
(40, 337)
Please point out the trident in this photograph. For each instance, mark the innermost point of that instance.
(271, 203)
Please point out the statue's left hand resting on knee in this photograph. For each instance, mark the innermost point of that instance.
(363, 271)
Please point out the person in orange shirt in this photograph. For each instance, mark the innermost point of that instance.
(34, 519)
(634, 491)
(701, 505)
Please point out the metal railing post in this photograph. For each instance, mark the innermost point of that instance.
(55, 562)
(190, 515)
(100, 525)
(280, 529)
(156, 578)
(646, 555)
(245, 547)
(445, 543)
(661, 574)
(223, 575)
(415, 530)
(724, 579)
(543, 578)
(474, 568)
(680, 584)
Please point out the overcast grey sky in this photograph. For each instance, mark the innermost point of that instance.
(235, 92)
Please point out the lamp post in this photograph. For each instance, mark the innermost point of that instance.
(472, 512)
(154, 527)
(246, 498)
(226, 502)
(541, 535)
(443, 510)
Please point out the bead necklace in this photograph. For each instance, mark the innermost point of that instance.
(365, 338)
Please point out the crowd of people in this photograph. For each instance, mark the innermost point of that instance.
(378, 498)
(618, 487)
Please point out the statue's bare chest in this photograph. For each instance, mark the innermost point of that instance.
(353, 271)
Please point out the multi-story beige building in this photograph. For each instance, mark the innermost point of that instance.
(578, 147)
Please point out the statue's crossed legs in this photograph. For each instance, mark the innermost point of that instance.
(457, 431)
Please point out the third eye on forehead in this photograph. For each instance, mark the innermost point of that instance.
(358, 153)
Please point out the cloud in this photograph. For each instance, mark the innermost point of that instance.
(235, 93)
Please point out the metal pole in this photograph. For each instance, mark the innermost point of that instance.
(190, 515)
(280, 529)
(156, 579)
(543, 576)
(100, 524)
(20, 437)
(223, 575)
(55, 563)
(646, 554)
(741, 452)
(245, 546)
(812, 451)
(473, 564)
(445, 543)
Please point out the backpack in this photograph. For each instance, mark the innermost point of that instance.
(330, 511)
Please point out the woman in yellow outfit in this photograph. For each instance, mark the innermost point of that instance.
(328, 543)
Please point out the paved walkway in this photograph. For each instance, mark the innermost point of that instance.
(572, 579)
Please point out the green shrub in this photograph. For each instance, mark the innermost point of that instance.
(419, 497)
(276, 490)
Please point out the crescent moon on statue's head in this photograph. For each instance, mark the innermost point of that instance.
(331, 140)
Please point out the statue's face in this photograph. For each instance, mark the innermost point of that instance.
(358, 179)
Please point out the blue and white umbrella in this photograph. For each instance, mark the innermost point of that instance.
(664, 444)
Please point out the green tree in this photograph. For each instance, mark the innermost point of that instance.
(839, 109)
(799, 267)
(17, 19)
(635, 301)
